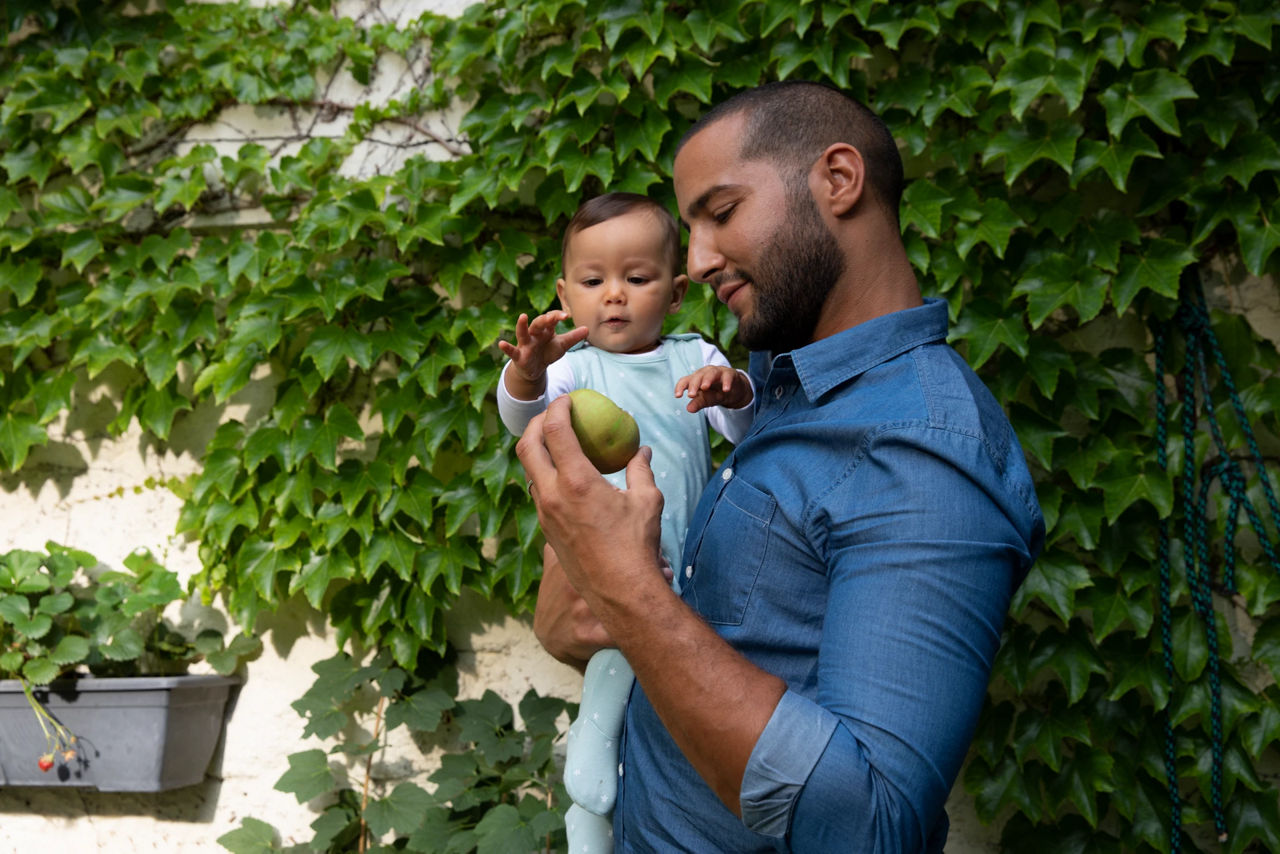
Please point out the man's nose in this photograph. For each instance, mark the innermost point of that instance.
(705, 259)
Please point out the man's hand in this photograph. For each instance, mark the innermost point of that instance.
(606, 539)
(715, 385)
(537, 345)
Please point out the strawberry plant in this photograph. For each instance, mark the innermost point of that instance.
(62, 614)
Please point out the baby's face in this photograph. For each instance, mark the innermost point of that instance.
(619, 283)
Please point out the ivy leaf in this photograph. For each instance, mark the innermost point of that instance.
(922, 204)
(1054, 579)
(1059, 281)
(1122, 486)
(1113, 608)
(31, 161)
(18, 434)
(1148, 93)
(1114, 157)
(1259, 237)
(1032, 73)
(644, 136)
(1036, 433)
(319, 439)
(1082, 778)
(1266, 647)
(1190, 646)
(1100, 238)
(694, 79)
(259, 562)
(315, 576)
(121, 195)
(994, 789)
(1247, 155)
(985, 326)
(389, 548)
(577, 166)
(330, 346)
(79, 248)
(1156, 267)
(1253, 818)
(993, 223)
(308, 777)
(1022, 145)
(1214, 204)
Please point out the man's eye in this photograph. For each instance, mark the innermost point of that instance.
(722, 216)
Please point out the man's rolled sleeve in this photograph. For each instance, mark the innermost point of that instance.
(784, 756)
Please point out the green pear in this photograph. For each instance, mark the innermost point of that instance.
(608, 434)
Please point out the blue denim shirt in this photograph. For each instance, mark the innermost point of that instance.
(862, 543)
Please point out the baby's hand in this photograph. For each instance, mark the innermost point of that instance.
(537, 344)
(715, 385)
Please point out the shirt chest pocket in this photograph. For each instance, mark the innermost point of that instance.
(730, 554)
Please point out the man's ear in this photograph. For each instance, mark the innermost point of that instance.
(679, 287)
(841, 178)
(564, 303)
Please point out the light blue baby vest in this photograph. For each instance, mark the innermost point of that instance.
(644, 385)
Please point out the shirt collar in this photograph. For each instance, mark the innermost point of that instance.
(824, 364)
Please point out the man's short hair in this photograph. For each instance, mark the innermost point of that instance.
(610, 205)
(791, 123)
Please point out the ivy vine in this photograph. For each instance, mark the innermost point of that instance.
(1068, 163)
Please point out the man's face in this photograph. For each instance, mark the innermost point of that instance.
(760, 244)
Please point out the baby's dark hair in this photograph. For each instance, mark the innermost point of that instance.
(610, 205)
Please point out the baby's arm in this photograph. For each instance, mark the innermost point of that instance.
(537, 345)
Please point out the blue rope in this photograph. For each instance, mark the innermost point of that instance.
(1201, 348)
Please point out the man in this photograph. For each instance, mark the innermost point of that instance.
(845, 578)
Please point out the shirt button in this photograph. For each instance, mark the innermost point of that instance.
(726, 474)
(777, 392)
(619, 769)
(688, 571)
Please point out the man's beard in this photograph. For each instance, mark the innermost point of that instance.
(792, 279)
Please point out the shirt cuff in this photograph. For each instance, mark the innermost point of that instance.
(784, 756)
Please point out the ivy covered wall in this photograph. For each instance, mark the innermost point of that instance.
(1078, 169)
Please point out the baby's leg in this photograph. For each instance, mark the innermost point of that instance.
(588, 833)
(591, 755)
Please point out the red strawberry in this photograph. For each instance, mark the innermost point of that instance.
(45, 762)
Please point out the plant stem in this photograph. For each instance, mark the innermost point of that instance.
(368, 772)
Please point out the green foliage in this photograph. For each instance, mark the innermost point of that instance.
(495, 791)
(1067, 162)
(61, 612)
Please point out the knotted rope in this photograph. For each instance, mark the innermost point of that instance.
(1196, 392)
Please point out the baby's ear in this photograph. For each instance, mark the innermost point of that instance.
(564, 303)
(679, 287)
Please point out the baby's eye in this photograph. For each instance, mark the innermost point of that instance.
(591, 282)
(637, 280)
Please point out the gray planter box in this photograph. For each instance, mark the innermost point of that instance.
(137, 734)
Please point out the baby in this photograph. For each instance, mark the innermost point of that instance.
(621, 261)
